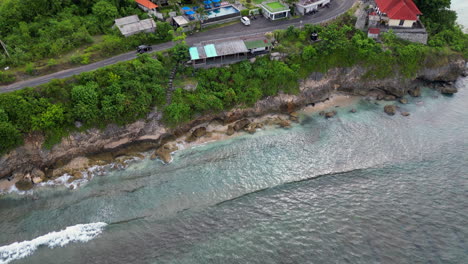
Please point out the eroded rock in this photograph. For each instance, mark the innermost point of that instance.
(239, 125)
(448, 90)
(390, 109)
(164, 152)
(415, 92)
(330, 114)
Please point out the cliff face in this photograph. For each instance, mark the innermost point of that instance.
(114, 140)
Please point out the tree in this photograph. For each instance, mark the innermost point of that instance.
(180, 52)
(177, 113)
(10, 137)
(85, 103)
(105, 12)
(309, 53)
(52, 118)
(3, 116)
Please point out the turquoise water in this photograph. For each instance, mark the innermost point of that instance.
(359, 188)
(222, 11)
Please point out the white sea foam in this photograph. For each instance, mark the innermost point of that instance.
(76, 233)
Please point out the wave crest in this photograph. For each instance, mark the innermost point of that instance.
(76, 233)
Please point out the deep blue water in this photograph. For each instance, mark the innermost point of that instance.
(358, 188)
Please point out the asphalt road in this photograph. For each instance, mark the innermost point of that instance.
(259, 25)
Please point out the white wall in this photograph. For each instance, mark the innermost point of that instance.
(396, 23)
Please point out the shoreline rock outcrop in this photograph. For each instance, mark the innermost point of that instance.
(101, 146)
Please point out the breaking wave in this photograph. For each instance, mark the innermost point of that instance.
(76, 233)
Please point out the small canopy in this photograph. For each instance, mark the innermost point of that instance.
(190, 13)
(186, 8)
(207, 2)
(215, 1)
(194, 53)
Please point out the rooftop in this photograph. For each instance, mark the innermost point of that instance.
(399, 9)
(180, 20)
(226, 47)
(126, 20)
(146, 3)
(136, 27)
(275, 7)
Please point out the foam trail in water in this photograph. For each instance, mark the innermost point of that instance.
(76, 233)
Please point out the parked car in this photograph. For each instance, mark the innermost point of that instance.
(144, 48)
(245, 21)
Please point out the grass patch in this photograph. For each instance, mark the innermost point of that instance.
(276, 6)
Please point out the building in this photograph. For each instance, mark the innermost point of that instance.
(132, 25)
(227, 51)
(307, 6)
(373, 33)
(147, 6)
(275, 10)
(399, 16)
(398, 13)
(182, 22)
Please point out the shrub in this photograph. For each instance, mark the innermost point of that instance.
(6, 77)
(10, 137)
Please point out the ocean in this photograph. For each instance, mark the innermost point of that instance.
(358, 188)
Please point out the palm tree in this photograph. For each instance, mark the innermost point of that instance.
(4, 47)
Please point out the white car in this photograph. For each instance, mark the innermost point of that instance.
(245, 21)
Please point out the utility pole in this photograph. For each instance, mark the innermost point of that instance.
(4, 47)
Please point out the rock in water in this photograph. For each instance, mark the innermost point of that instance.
(241, 124)
(390, 109)
(24, 184)
(284, 123)
(251, 128)
(230, 131)
(405, 113)
(330, 114)
(164, 152)
(449, 90)
(353, 110)
(403, 100)
(389, 98)
(36, 180)
(415, 92)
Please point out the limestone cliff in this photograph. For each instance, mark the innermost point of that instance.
(114, 140)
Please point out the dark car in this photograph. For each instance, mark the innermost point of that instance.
(144, 48)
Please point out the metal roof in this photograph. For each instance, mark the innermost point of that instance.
(147, 4)
(230, 47)
(210, 51)
(180, 20)
(194, 53)
(134, 28)
(126, 20)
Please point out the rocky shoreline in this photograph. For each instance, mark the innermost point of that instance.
(31, 164)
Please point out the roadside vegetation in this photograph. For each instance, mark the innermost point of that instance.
(40, 34)
(122, 93)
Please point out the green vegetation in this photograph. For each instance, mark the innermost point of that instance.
(127, 91)
(118, 94)
(440, 22)
(276, 6)
(39, 29)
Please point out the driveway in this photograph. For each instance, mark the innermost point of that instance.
(259, 25)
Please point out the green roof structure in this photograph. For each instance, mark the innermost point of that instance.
(194, 53)
(210, 51)
(275, 7)
(259, 43)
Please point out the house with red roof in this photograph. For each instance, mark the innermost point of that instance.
(398, 13)
(147, 6)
